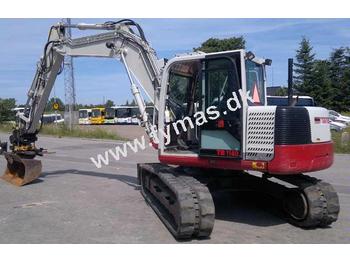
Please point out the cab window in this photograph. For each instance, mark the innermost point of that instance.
(255, 83)
(219, 80)
(178, 94)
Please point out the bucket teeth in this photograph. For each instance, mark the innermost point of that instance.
(21, 171)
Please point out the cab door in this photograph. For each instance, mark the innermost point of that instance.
(221, 136)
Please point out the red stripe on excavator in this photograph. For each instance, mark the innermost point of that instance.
(289, 159)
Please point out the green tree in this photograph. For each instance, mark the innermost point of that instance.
(322, 91)
(109, 103)
(338, 64)
(340, 78)
(6, 106)
(346, 91)
(49, 105)
(303, 67)
(217, 45)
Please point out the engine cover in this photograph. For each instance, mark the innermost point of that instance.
(270, 126)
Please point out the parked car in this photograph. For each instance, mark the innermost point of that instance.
(335, 116)
(283, 101)
(337, 126)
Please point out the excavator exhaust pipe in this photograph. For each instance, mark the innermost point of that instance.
(21, 171)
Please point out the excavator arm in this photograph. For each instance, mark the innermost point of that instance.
(121, 42)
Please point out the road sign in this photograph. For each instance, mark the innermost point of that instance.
(55, 106)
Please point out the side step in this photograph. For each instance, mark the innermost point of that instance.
(184, 205)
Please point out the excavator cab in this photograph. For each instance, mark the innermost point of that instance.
(196, 105)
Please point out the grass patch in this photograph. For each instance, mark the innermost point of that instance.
(338, 147)
(64, 131)
(6, 128)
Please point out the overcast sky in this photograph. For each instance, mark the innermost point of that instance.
(22, 42)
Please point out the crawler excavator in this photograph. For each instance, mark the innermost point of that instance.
(218, 100)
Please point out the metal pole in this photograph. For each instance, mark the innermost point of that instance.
(69, 86)
(290, 81)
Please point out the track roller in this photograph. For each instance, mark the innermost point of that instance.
(182, 203)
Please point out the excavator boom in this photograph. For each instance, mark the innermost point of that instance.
(119, 42)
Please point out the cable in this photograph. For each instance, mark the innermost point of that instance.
(48, 38)
(129, 22)
(41, 124)
(44, 65)
(44, 69)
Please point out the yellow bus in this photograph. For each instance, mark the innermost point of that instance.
(98, 116)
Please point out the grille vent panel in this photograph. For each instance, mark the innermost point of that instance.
(260, 133)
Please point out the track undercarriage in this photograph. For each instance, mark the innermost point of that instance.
(183, 204)
(182, 198)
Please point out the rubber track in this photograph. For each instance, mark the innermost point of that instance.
(322, 200)
(333, 207)
(187, 218)
(206, 206)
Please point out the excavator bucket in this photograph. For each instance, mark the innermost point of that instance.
(21, 171)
